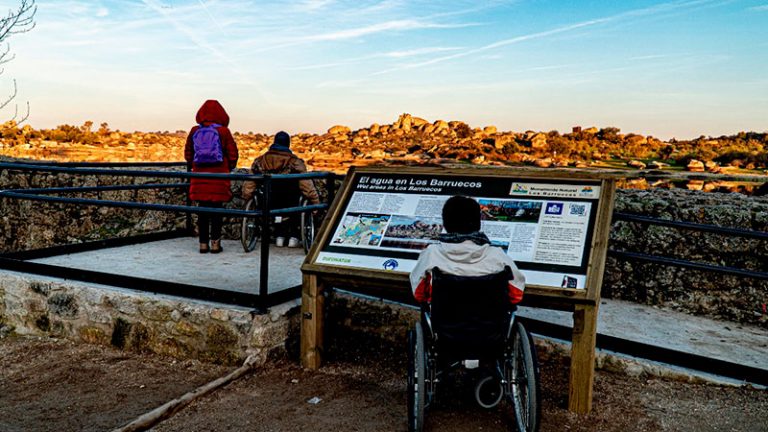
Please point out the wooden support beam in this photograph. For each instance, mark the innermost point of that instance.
(582, 373)
(312, 322)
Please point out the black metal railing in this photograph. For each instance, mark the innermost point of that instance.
(670, 261)
(262, 300)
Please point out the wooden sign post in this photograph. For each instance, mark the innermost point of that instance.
(554, 224)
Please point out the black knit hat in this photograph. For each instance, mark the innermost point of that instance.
(282, 141)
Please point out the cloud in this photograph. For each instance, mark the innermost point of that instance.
(174, 17)
(549, 67)
(278, 41)
(313, 5)
(195, 37)
(418, 51)
(388, 55)
(497, 44)
(651, 57)
(340, 84)
(210, 15)
(102, 12)
(762, 8)
(652, 10)
(395, 25)
(382, 6)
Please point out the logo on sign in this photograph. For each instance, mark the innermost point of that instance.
(390, 264)
(587, 190)
(569, 282)
(518, 188)
(554, 208)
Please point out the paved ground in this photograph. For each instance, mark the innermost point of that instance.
(178, 260)
(732, 342)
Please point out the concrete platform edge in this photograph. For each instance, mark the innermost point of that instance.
(614, 362)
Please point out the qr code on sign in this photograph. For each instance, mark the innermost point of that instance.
(578, 209)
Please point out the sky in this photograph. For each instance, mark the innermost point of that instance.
(678, 69)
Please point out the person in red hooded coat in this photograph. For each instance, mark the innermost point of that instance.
(211, 193)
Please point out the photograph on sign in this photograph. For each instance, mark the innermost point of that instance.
(546, 227)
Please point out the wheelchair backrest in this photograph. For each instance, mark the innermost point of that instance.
(285, 193)
(470, 314)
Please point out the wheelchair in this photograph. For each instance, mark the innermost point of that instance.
(470, 323)
(250, 230)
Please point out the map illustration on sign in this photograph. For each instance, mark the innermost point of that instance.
(361, 229)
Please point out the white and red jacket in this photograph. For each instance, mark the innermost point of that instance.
(463, 259)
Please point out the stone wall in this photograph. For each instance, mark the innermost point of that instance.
(733, 298)
(26, 225)
(142, 322)
(348, 315)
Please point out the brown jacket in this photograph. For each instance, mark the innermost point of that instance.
(281, 162)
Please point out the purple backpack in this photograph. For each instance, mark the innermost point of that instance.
(207, 144)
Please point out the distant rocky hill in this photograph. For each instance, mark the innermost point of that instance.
(412, 140)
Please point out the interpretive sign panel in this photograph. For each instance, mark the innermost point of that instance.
(554, 224)
(545, 225)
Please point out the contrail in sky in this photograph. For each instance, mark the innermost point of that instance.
(203, 44)
(662, 7)
(215, 21)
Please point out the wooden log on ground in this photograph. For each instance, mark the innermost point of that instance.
(150, 419)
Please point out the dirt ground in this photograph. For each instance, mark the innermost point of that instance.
(54, 385)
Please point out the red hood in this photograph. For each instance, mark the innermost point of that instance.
(212, 112)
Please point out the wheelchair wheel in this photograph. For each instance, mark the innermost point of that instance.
(416, 374)
(250, 231)
(307, 227)
(521, 373)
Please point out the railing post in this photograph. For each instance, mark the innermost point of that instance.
(266, 221)
(187, 180)
(330, 187)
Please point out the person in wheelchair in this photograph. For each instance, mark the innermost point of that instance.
(463, 251)
(468, 291)
(279, 159)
